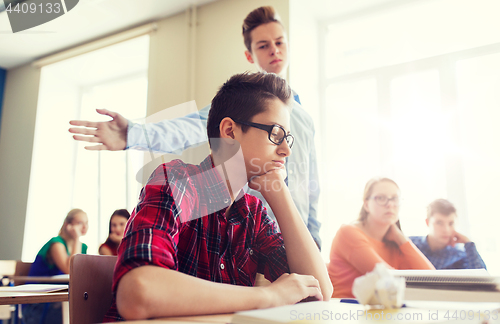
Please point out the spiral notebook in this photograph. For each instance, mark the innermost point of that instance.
(460, 279)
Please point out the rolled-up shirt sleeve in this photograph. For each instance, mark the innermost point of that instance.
(170, 135)
(151, 236)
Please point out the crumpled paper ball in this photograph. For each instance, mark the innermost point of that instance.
(379, 287)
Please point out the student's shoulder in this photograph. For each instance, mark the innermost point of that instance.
(52, 241)
(84, 248)
(349, 233)
(254, 204)
(418, 240)
(350, 229)
(349, 237)
(177, 165)
(174, 170)
(300, 114)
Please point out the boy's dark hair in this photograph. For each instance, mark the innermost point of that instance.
(244, 96)
(441, 206)
(257, 17)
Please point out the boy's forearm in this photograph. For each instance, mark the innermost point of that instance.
(301, 250)
(151, 292)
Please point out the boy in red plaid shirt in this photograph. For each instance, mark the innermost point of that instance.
(196, 241)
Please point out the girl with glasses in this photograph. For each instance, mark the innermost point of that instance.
(375, 237)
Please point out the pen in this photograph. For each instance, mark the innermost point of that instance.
(354, 301)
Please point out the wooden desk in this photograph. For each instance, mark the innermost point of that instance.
(13, 298)
(415, 294)
(202, 319)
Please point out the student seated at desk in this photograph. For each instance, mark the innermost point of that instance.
(444, 246)
(117, 224)
(53, 259)
(376, 237)
(196, 241)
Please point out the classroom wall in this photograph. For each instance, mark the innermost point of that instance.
(16, 145)
(171, 82)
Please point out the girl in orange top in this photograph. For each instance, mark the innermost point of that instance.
(375, 237)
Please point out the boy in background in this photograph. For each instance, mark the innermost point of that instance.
(444, 246)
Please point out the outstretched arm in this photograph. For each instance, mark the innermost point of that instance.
(110, 135)
(166, 136)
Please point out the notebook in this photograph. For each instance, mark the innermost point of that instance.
(320, 312)
(313, 312)
(35, 288)
(459, 279)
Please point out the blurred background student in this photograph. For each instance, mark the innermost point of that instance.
(444, 246)
(117, 224)
(53, 259)
(376, 237)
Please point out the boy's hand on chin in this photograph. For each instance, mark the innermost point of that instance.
(273, 180)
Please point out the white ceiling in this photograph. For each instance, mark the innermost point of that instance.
(93, 19)
(90, 19)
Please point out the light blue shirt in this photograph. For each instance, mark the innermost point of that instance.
(176, 135)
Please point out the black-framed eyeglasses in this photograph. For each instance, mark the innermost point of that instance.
(277, 133)
(383, 200)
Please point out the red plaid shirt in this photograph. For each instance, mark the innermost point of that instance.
(180, 224)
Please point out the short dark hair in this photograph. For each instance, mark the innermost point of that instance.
(441, 206)
(257, 17)
(244, 96)
(119, 212)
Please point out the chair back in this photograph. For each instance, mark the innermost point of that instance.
(22, 268)
(13, 268)
(90, 280)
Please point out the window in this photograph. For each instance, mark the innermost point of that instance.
(63, 174)
(417, 103)
(478, 80)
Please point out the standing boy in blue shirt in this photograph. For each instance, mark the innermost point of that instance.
(444, 246)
